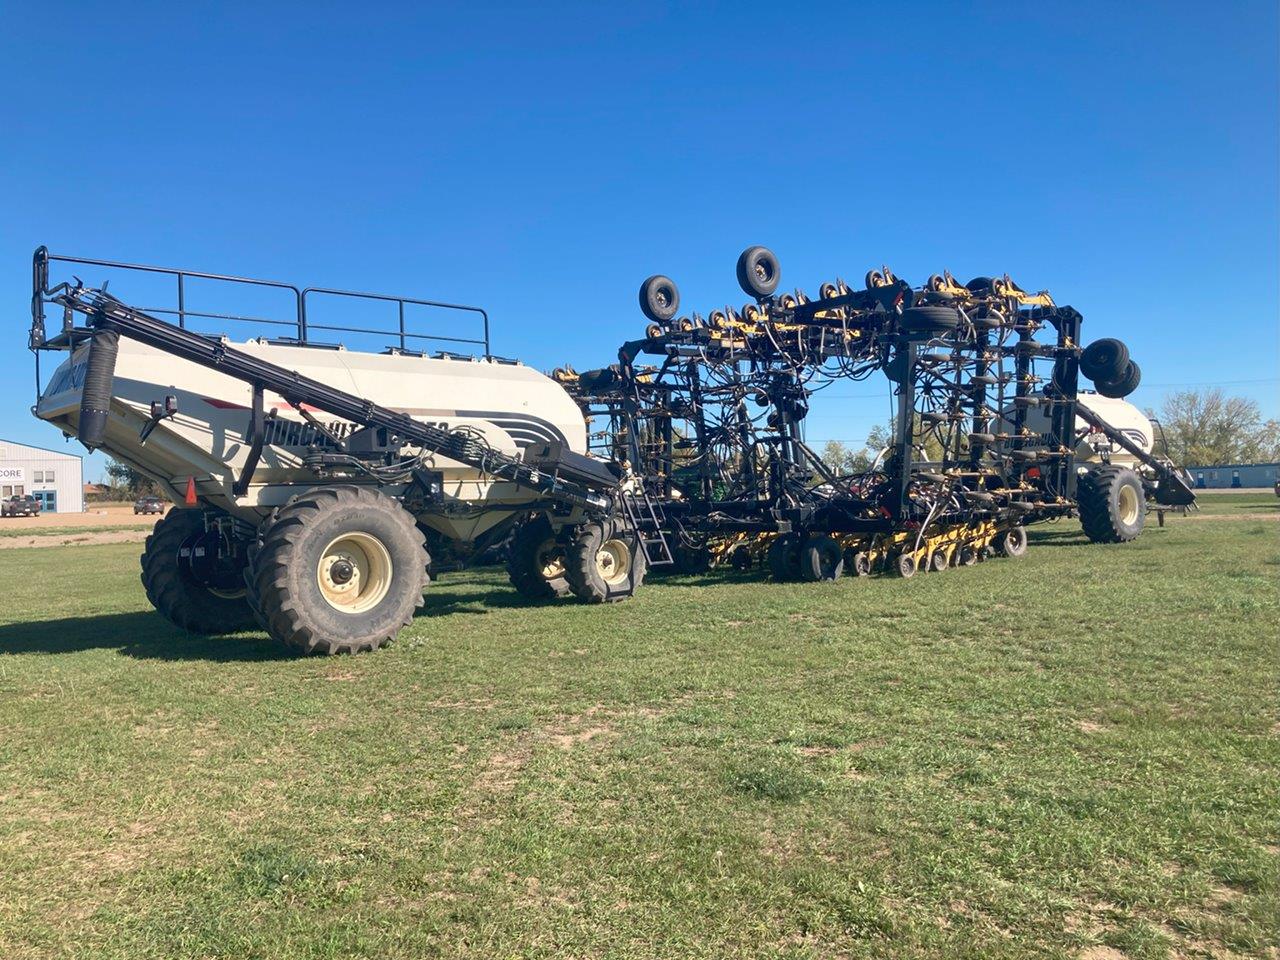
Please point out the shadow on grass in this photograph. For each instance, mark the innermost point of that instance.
(145, 635)
(444, 604)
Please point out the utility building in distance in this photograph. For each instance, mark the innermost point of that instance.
(52, 477)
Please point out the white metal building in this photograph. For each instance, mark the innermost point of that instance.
(53, 477)
(1236, 475)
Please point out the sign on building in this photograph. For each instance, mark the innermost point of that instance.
(13, 474)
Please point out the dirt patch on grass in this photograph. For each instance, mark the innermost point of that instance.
(55, 539)
(1102, 952)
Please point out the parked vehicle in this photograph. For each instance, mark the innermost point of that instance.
(17, 506)
(148, 505)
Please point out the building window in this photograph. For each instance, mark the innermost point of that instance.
(7, 491)
(39, 477)
(19, 490)
(48, 476)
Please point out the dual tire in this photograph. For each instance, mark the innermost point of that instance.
(536, 561)
(1112, 504)
(175, 593)
(338, 570)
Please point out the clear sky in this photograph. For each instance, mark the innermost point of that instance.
(542, 159)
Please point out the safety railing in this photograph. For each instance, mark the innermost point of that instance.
(302, 325)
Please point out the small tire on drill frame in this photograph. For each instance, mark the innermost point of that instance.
(604, 562)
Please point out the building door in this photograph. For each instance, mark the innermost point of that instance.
(48, 500)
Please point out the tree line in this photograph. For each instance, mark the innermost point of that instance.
(1201, 428)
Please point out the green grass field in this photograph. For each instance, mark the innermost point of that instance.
(1076, 755)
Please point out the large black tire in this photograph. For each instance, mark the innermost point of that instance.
(604, 562)
(536, 561)
(821, 558)
(691, 558)
(1104, 359)
(1123, 385)
(758, 272)
(659, 298)
(173, 592)
(1112, 504)
(930, 318)
(365, 549)
(783, 558)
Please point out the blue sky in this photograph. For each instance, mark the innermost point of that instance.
(541, 160)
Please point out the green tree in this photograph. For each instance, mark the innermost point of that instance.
(127, 483)
(1205, 428)
(842, 459)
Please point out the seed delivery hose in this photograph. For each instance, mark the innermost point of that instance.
(95, 401)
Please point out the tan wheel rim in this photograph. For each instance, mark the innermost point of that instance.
(550, 559)
(354, 572)
(613, 561)
(227, 594)
(1129, 505)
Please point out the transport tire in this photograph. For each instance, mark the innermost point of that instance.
(659, 298)
(858, 563)
(536, 561)
(741, 559)
(978, 285)
(1112, 504)
(904, 565)
(821, 558)
(338, 570)
(968, 557)
(758, 272)
(931, 318)
(175, 594)
(783, 558)
(691, 559)
(1104, 359)
(1013, 542)
(938, 561)
(1122, 386)
(604, 562)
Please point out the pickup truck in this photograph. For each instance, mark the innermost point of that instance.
(20, 507)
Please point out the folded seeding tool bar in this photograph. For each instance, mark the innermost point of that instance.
(981, 440)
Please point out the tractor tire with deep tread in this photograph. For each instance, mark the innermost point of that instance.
(178, 598)
(338, 570)
(604, 562)
(536, 561)
(1112, 504)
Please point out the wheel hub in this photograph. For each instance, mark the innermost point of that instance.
(354, 572)
(613, 561)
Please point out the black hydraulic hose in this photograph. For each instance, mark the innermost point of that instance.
(95, 400)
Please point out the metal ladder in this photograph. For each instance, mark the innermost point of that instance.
(646, 520)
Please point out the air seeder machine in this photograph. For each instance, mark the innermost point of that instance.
(311, 474)
(991, 431)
